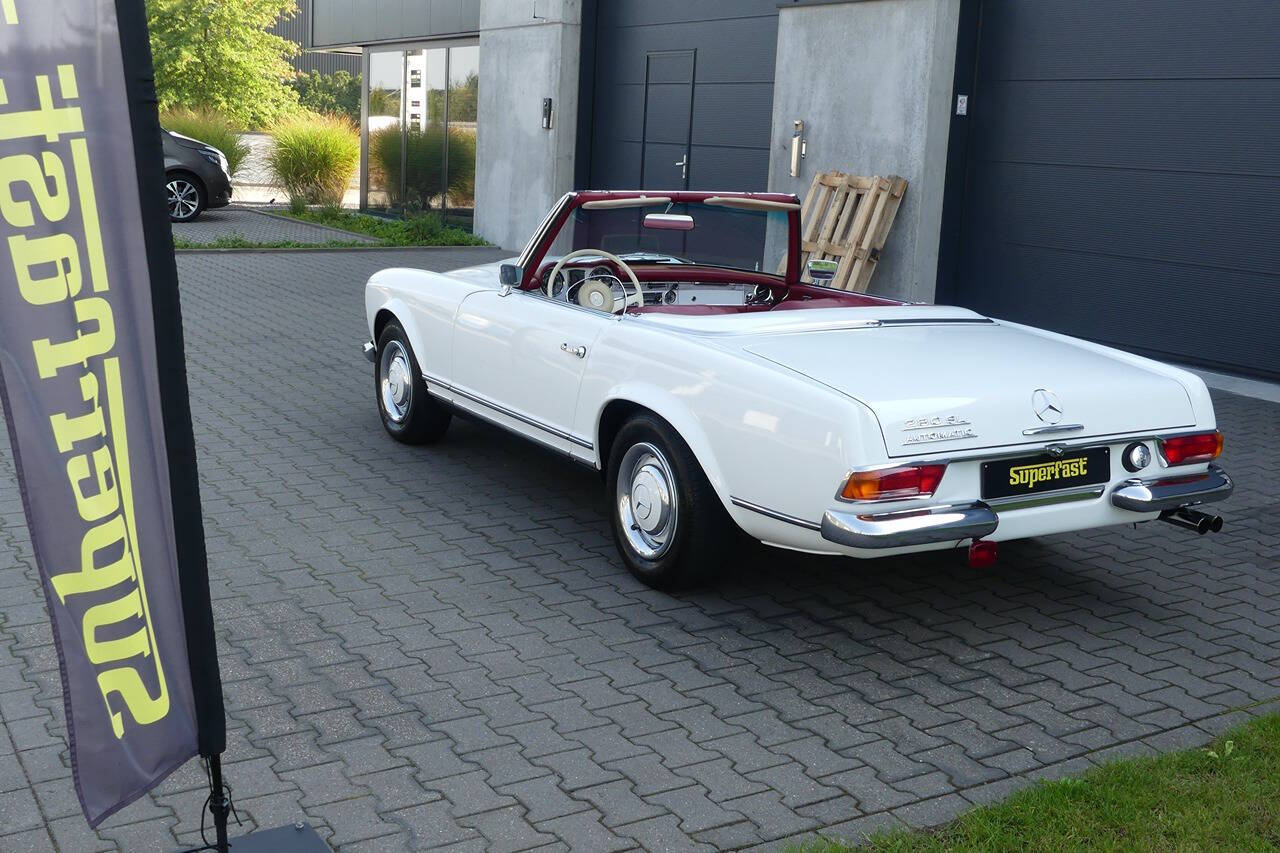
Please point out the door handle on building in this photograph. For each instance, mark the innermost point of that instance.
(683, 163)
(580, 352)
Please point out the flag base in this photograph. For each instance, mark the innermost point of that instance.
(299, 838)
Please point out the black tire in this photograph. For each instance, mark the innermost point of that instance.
(186, 196)
(703, 537)
(409, 414)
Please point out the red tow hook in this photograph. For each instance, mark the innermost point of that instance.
(983, 554)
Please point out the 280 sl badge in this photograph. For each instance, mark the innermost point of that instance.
(956, 429)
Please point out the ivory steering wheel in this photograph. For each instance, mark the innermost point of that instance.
(610, 307)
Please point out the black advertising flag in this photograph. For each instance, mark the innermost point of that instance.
(94, 390)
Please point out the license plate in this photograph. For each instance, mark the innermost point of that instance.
(1029, 475)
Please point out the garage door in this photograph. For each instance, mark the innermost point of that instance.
(683, 94)
(1122, 180)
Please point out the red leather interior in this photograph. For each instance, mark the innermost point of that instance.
(850, 301)
(697, 310)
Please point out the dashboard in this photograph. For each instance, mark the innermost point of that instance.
(662, 292)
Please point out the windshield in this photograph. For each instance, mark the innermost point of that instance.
(686, 233)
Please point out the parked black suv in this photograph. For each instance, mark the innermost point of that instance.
(195, 175)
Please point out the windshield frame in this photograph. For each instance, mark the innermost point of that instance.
(562, 214)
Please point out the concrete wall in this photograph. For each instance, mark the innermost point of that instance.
(872, 82)
(520, 167)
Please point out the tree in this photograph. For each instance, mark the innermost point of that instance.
(218, 54)
(338, 92)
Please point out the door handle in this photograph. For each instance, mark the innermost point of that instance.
(683, 163)
(580, 352)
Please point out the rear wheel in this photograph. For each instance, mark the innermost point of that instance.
(670, 527)
(409, 413)
(186, 196)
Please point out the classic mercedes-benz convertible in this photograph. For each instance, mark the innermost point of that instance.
(672, 341)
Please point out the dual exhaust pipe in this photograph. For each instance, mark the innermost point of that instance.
(1190, 519)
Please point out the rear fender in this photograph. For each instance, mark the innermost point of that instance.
(672, 410)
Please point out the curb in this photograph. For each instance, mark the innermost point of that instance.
(362, 238)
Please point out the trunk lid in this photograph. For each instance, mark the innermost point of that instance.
(968, 385)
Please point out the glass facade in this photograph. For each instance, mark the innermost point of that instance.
(420, 136)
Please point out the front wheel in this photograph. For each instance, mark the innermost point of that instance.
(409, 413)
(186, 197)
(670, 527)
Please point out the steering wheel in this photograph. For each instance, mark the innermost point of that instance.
(599, 297)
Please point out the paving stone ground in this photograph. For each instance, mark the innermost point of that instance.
(431, 647)
(259, 227)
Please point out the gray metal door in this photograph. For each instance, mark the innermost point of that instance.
(668, 119)
(646, 106)
(1123, 176)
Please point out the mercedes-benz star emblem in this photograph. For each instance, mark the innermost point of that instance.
(1046, 405)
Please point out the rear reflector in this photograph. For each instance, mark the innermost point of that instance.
(1189, 449)
(983, 554)
(910, 481)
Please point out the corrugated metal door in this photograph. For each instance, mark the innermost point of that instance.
(680, 80)
(1123, 175)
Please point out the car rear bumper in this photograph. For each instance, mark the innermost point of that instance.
(1169, 493)
(952, 523)
(907, 528)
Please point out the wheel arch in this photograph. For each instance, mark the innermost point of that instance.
(625, 404)
(185, 172)
(395, 309)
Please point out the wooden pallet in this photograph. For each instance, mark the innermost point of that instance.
(846, 218)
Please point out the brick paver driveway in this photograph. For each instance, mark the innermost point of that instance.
(436, 646)
(259, 226)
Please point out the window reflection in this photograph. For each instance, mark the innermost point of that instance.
(423, 109)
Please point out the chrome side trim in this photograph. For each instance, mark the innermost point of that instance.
(510, 413)
(927, 321)
(906, 528)
(1173, 492)
(1046, 499)
(1049, 430)
(775, 515)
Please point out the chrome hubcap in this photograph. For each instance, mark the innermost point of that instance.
(396, 381)
(184, 198)
(647, 501)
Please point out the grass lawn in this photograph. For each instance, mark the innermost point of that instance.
(1223, 797)
(419, 230)
(235, 241)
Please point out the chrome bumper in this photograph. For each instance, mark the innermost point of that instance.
(905, 528)
(370, 352)
(1173, 492)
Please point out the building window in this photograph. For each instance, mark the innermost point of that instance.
(423, 159)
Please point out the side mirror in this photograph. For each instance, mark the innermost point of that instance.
(822, 271)
(510, 275)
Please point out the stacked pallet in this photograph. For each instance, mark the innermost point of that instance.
(846, 218)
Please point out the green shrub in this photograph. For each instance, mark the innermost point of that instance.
(338, 92)
(424, 155)
(211, 127)
(313, 158)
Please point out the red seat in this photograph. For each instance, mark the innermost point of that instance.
(852, 300)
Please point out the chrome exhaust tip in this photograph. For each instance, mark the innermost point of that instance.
(1191, 519)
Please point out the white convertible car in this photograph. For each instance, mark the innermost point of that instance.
(672, 341)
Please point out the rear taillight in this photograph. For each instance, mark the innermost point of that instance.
(909, 481)
(1189, 449)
